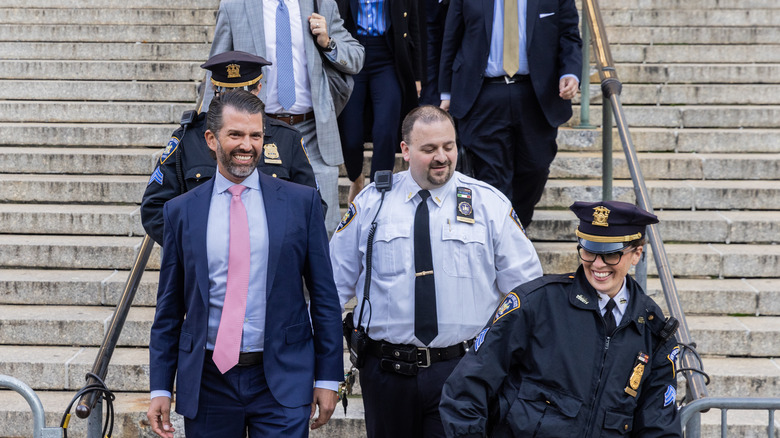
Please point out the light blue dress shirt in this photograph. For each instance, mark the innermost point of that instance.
(495, 65)
(371, 18)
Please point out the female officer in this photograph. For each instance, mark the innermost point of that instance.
(586, 354)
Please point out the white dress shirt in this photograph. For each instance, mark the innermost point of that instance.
(474, 265)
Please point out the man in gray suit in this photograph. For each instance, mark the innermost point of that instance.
(254, 26)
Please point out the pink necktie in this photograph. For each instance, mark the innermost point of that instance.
(228, 344)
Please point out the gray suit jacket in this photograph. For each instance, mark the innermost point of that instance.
(240, 27)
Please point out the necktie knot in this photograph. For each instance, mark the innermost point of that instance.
(237, 190)
(424, 194)
(610, 305)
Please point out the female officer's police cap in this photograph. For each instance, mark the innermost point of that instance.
(235, 69)
(609, 226)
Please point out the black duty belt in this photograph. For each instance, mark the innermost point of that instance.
(293, 119)
(408, 359)
(507, 79)
(244, 359)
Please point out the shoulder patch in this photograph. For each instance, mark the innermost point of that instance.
(509, 304)
(305, 152)
(157, 176)
(670, 395)
(480, 339)
(173, 143)
(673, 359)
(348, 216)
(516, 220)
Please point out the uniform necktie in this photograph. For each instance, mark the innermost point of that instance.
(511, 38)
(426, 326)
(609, 317)
(228, 344)
(284, 58)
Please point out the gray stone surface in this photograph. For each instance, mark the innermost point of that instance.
(691, 17)
(697, 94)
(71, 252)
(693, 117)
(108, 33)
(141, 51)
(124, 161)
(661, 5)
(92, 112)
(742, 377)
(691, 72)
(694, 34)
(72, 188)
(126, 14)
(709, 297)
(101, 70)
(71, 134)
(99, 91)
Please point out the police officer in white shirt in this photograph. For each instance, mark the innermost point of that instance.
(446, 249)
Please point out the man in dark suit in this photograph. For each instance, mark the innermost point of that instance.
(231, 319)
(509, 83)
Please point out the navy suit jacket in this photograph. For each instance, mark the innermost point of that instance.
(298, 350)
(553, 45)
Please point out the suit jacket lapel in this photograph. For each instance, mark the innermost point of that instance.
(276, 215)
(488, 7)
(254, 14)
(197, 234)
(531, 12)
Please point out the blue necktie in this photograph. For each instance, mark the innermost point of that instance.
(284, 58)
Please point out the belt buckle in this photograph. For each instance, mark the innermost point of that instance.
(508, 80)
(423, 353)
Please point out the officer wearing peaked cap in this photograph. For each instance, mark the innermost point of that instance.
(187, 161)
(586, 354)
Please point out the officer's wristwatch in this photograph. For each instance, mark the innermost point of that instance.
(331, 45)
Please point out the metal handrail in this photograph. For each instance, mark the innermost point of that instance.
(100, 366)
(689, 414)
(611, 88)
(39, 416)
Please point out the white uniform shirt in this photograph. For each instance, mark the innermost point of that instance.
(474, 265)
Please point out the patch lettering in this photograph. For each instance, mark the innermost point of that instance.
(673, 359)
(516, 219)
(170, 148)
(509, 304)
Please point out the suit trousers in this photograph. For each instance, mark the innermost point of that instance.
(238, 402)
(435, 15)
(327, 176)
(403, 406)
(510, 143)
(378, 91)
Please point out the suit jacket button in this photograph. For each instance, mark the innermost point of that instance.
(343, 62)
(404, 14)
(274, 175)
(404, 35)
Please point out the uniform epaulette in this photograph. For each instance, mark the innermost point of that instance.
(538, 283)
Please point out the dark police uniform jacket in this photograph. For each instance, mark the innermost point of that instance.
(198, 166)
(544, 367)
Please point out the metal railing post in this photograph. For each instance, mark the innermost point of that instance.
(585, 77)
(693, 428)
(95, 420)
(606, 151)
(39, 418)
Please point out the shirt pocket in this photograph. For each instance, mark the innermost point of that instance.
(617, 424)
(392, 254)
(541, 411)
(463, 245)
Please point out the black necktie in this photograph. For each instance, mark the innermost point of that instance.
(426, 327)
(609, 317)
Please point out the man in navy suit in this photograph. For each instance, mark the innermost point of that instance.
(289, 362)
(509, 91)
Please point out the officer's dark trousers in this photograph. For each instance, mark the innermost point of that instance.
(510, 142)
(238, 401)
(403, 406)
(435, 15)
(376, 85)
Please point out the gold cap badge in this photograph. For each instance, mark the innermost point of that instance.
(233, 71)
(600, 216)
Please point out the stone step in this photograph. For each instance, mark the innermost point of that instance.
(691, 17)
(111, 33)
(129, 16)
(686, 260)
(72, 188)
(747, 296)
(694, 94)
(671, 166)
(697, 72)
(692, 116)
(72, 252)
(675, 226)
(85, 135)
(91, 112)
(742, 377)
(741, 423)
(681, 194)
(736, 336)
(71, 325)
(109, 4)
(73, 287)
(701, 140)
(105, 51)
(676, 53)
(102, 70)
(99, 91)
(685, 5)
(692, 34)
(80, 161)
(113, 220)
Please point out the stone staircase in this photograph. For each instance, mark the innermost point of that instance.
(90, 91)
